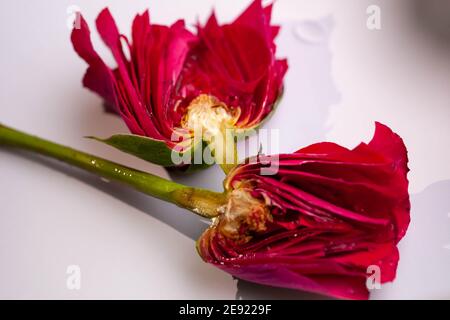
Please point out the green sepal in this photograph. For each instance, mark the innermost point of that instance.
(154, 151)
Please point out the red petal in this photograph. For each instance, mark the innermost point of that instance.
(236, 63)
(98, 77)
(140, 89)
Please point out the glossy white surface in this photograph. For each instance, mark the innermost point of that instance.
(342, 77)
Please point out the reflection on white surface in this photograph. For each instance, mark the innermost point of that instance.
(424, 260)
(311, 31)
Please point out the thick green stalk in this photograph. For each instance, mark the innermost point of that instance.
(225, 150)
(200, 201)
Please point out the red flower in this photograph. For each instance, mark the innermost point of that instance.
(318, 223)
(226, 74)
(236, 63)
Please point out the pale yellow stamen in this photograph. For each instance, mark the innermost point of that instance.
(206, 114)
(211, 120)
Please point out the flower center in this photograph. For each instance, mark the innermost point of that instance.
(209, 117)
(243, 216)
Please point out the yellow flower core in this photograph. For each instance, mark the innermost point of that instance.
(209, 117)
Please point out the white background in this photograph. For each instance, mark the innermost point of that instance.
(130, 246)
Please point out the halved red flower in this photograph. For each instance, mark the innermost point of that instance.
(226, 74)
(324, 216)
(236, 63)
(139, 88)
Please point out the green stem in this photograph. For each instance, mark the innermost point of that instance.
(225, 150)
(200, 201)
(227, 166)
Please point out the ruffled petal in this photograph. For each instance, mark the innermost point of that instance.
(236, 63)
(140, 89)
